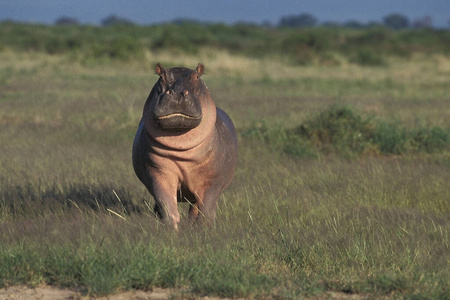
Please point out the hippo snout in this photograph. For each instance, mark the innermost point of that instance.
(177, 111)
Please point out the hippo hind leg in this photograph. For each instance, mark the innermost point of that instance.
(185, 195)
(193, 211)
(157, 209)
(207, 206)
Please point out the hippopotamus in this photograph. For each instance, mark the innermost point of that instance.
(185, 148)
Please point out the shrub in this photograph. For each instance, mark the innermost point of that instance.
(125, 48)
(173, 39)
(373, 37)
(122, 48)
(390, 138)
(341, 130)
(278, 138)
(368, 58)
(431, 140)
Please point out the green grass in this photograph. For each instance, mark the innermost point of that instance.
(279, 234)
(307, 214)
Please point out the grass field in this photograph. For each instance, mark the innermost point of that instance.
(305, 214)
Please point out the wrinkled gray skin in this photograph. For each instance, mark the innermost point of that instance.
(185, 148)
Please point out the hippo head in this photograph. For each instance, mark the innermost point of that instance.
(177, 95)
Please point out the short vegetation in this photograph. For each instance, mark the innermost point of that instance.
(342, 186)
(304, 45)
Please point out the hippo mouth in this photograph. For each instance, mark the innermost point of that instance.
(178, 121)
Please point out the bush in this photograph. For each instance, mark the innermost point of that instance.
(277, 138)
(431, 140)
(306, 45)
(390, 138)
(172, 38)
(340, 130)
(122, 48)
(373, 37)
(368, 58)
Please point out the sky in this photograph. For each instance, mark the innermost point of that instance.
(226, 11)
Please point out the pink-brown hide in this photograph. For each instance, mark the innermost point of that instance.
(185, 148)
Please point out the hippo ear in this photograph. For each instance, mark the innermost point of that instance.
(160, 71)
(200, 69)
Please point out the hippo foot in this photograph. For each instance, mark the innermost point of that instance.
(170, 219)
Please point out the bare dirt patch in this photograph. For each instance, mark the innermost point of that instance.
(51, 293)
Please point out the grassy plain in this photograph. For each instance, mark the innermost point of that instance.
(73, 214)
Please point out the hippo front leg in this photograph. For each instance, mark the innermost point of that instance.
(166, 207)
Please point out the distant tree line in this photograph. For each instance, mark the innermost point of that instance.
(316, 44)
(108, 21)
(394, 21)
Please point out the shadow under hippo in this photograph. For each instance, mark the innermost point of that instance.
(185, 148)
